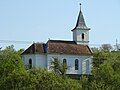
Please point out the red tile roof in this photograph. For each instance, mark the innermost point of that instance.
(35, 48)
(67, 47)
(58, 47)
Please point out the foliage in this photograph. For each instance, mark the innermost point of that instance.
(106, 75)
(58, 67)
(94, 49)
(11, 68)
(42, 79)
(14, 76)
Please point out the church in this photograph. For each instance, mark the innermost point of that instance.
(75, 53)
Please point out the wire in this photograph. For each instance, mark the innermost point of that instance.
(15, 42)
(29, 42)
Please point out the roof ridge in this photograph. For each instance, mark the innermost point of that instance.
(58, 40)
(61, 41)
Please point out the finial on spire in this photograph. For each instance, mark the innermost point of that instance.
(80, 6)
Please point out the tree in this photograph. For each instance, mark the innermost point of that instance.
(58, 67)
(11, 68)
(95, 49)
(106, 76)
(41, 79)
(106, 47)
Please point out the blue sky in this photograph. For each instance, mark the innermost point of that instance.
(38, 20)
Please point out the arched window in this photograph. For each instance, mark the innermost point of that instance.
(83, 36)
(30, 63)
(64, 61)
(76, 64)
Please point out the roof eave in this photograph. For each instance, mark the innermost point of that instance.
(81, 28)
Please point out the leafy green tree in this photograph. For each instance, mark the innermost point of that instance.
(11, 68)
(106, 76)
(58, 67)
(41, 79)
(105, 73)
(95, 49)
(99, 57)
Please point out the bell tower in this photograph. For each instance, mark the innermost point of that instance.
(81, 31)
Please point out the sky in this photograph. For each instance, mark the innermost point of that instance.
(40, 20)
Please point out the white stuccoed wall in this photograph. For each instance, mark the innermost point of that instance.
(27, 57)
(84, 63)
(44, 61)
(37, 60)
(41, 61)
(77, 36)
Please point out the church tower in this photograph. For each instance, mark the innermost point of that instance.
(81, 31)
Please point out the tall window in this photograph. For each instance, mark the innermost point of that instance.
(83, 36)
(76, 64)
(64, 61)
(30, 63)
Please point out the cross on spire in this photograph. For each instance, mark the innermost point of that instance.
(80, 6)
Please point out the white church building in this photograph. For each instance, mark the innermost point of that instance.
(76, 53)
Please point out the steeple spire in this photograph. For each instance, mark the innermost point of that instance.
(81, 31)
(80, 21)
